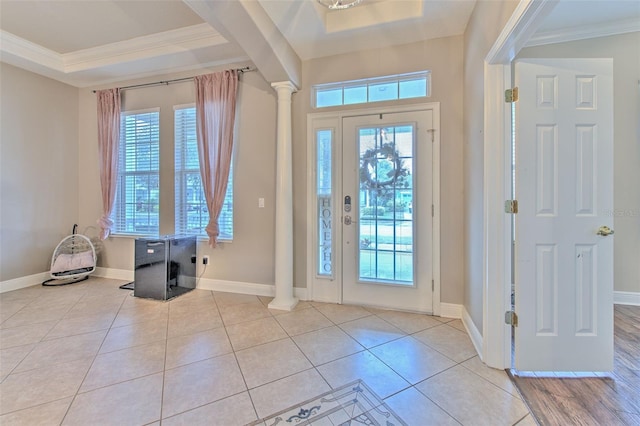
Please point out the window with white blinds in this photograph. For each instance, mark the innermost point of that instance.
(137, 208)
(191, 214)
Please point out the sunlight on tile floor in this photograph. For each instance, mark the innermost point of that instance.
(92, 354)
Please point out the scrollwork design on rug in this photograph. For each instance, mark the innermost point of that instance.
(304, 414)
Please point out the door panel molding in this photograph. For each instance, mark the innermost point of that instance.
(564, 180)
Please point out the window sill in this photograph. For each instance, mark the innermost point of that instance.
(199, 238)
(114, 235)
(205, 239)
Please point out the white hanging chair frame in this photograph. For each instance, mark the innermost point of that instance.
(73, 260)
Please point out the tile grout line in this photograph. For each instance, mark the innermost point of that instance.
(365, 349)
(235, 357)
(35, 344)
(316, 368)
(489, 381)
(92, 362)
(313, 366)
(435, 402)
(164, 365)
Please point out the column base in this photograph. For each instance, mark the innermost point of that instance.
(283, 304)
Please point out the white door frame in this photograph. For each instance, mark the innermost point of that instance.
(496, 300)
(329, 289)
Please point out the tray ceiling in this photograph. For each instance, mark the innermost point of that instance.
(86, 43)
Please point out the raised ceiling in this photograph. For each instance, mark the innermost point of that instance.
(314, 31)
(86, 43)
(68, 26)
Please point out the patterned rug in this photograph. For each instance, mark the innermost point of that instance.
(350, 405)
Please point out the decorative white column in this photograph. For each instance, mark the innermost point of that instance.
(284, 299)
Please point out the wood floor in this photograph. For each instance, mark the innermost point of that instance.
(611, 399)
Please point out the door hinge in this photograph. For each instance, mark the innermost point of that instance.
(511, 95)
(433, 211)
(511, 318)
(511, 206)
(433, 285)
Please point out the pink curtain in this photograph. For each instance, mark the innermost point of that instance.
(108, 147)
(215, 116)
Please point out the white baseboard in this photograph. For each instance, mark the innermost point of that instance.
(210, 284)
(123, 274)
(126, 275)
(246, 288)
(472, 331)
(116, 274)
(23, 282)
(35, 279)
(236, 287)
(626, 298)
(450, 310)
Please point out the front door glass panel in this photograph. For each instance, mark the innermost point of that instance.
(386, 226)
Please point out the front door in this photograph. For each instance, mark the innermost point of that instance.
(564, 186)
(387, 210)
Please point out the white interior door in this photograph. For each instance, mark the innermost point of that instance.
(387, 198)
(564, 186)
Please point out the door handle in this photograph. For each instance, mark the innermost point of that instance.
(348, 221)
(605, 231)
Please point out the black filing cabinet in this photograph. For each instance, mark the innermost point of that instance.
(165, 267)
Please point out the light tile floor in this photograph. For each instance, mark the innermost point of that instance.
(92, 354)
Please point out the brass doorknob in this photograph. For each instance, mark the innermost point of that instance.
(604, 231)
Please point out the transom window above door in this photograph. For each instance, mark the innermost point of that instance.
(387, 88)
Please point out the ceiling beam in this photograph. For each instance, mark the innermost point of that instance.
(247, 23)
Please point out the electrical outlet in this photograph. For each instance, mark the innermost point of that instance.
(205, 259)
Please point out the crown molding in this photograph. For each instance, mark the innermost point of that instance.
(153, 45)
(584, 32)
(139, 48)
(240, 60)
(16, 46)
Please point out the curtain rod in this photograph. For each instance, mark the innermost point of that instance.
(175, 80)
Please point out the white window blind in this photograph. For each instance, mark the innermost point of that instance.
(136, 209)
(191, 214)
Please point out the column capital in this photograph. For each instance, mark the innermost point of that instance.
(284, 85)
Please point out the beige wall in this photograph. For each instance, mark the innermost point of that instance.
(249, 258)
(625, 51)
(38, 169)
(486, 23)
(444, 58)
